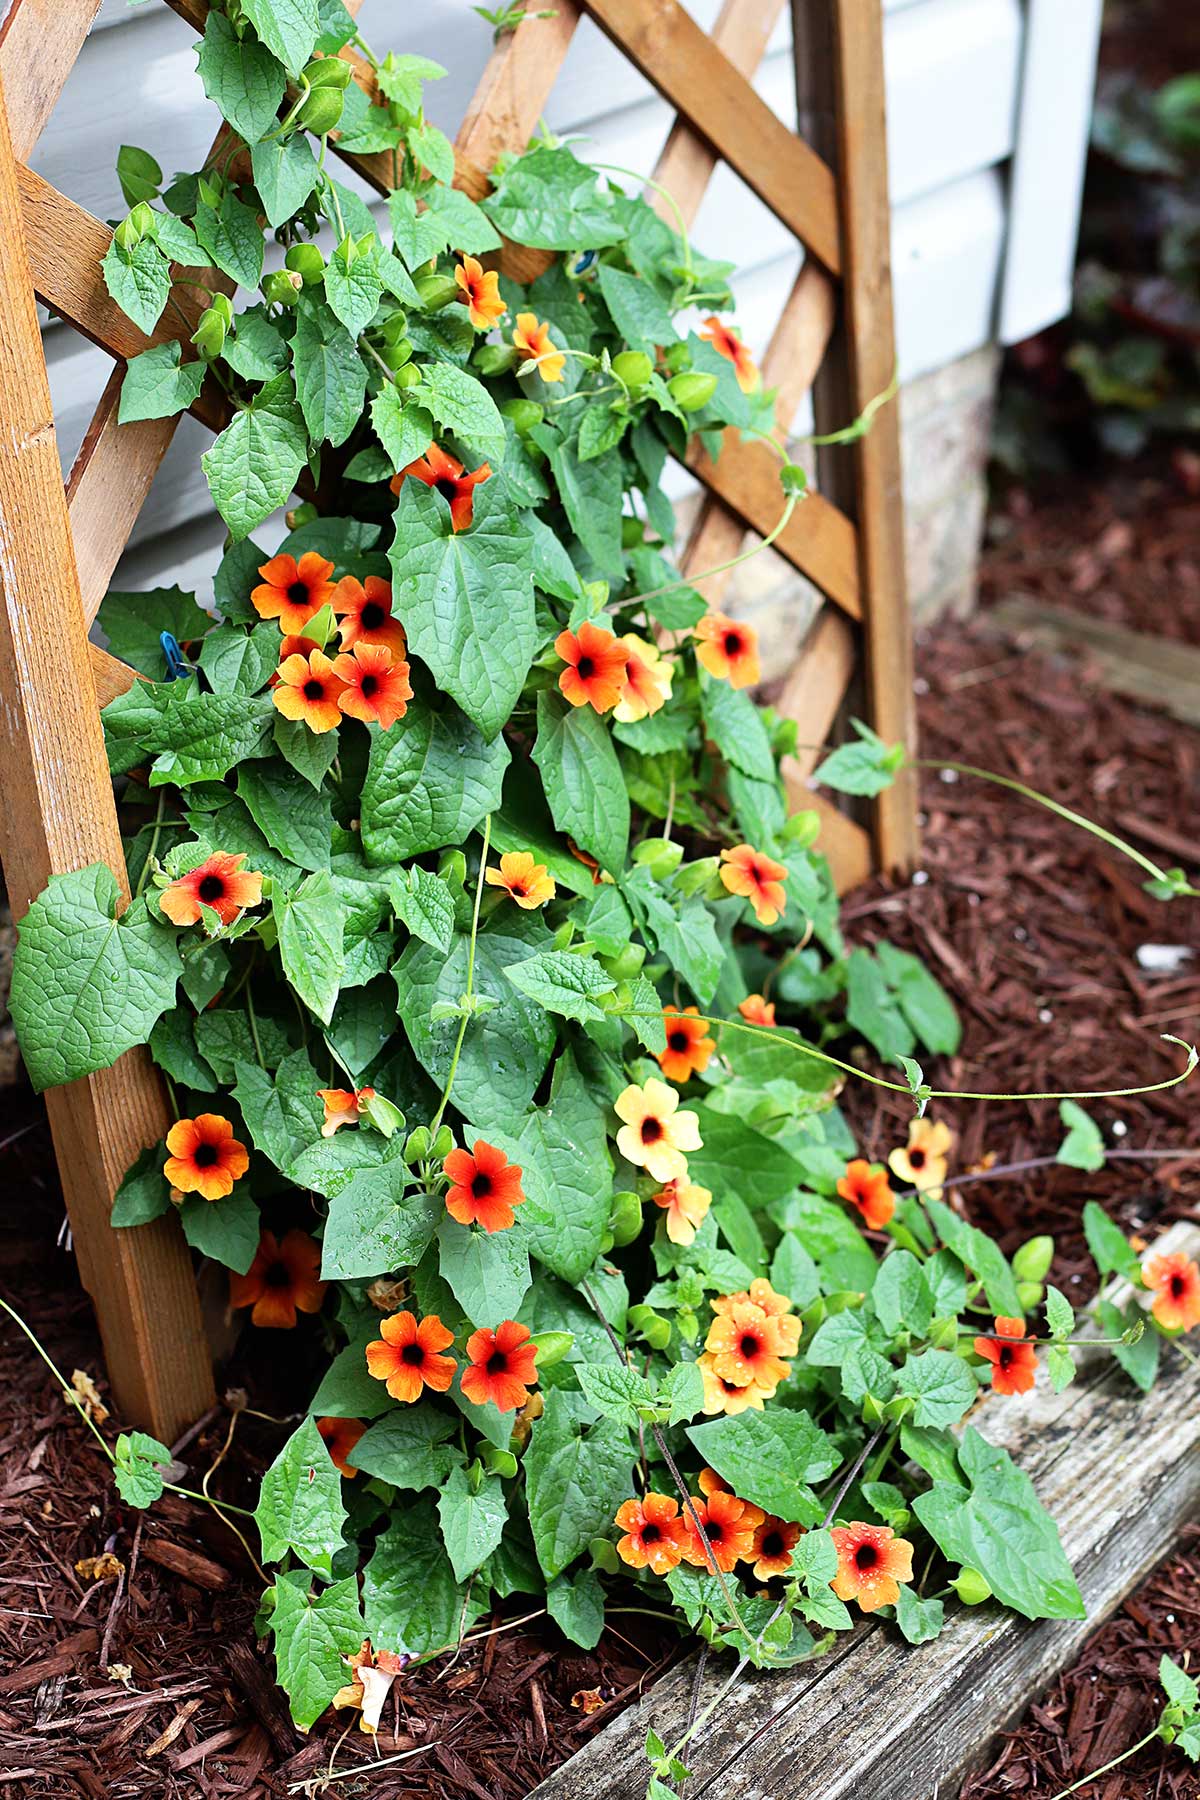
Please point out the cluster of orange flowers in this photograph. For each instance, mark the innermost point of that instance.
(409, 1356)
(368, 679)
(751, 1334)
(630, 677)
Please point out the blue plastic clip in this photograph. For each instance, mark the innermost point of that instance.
(579, 262)
(177, 668)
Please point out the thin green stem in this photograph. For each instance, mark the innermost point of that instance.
(734, 562)
(254, 1029)
(703, 1717)
(850, 434)
(881, 1461)
(436, 1121)
(658, 188)
(155, 835)
(68, 1391)
(218, 1506)
(1094, 1774)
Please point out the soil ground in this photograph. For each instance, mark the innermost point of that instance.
(1035, 928)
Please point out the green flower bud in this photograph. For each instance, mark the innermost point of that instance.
(872, 1410)
(660, 855)
(494, 359)
(301, 515)
(442, 1144)
(436, 291)
(322, 111)
(971, 1587)
(407, 377)
(307, 262)
(692, 391)
(551, 1347)
(634, 368)
(803, 829)
(651, 1326)
(793, 479)
(678, 357)
(1032, 1261)
(143, 218)
(626, 963)
(282, 286)
(525, 414)
(899, 1408)
(398, 354)
(127, 235)
(499, 1462)
(625, 1220)
(633, 532)
(209, 335)
(328, 72)
(943, 1334)
(221, 303)
(1030, 1294)
(395, 326)
(418, 1144)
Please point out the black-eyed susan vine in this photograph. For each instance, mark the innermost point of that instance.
(497, 993)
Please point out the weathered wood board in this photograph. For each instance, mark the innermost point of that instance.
(878, 1720)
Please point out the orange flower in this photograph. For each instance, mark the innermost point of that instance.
(526, 881)
(872, 1562)
(377, 689)
(868, 1189)
(365, 609)
(342, 1106)
(309, 688)
(654, 1533)
(503, 1366)
(292, 591)
(481, 293)
(1014, 1365)
(1176, 1281)
(721, 1396)
(596, 664)
(757, 878)
(728, 649)
(406, 1356)
(689, 1046)
(654, 1134)
(686, 1207)
(372, 1675)
(220, 882)
(727, 343)
(484, 1187)
(445, 473)
(774, 1541)
(283, 1279)
(777, 1307)
(648, 677)
(745, 1344)
(340, 1437)
(729, 1525)
(923, 1163)
(757, 1011)
(709, 1482)
(206, 1158)
(538, 354)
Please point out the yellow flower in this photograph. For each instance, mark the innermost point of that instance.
(922, 1163)
(722, 1396)
(648, 678)
(654, 1133)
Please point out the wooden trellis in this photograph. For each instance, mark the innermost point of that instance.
(59, 546)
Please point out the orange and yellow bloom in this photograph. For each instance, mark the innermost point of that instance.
(481, 293)
(438, 470)
(284, 1279)
(728, 649)
(648, 677)
(596, 664)
(309, 688)
(1014, 1361)
(689, 1046)
(757, 1011)
(923, 1161)
(728, 343)
(872, 1562)
(340, 1437)
(219, 882)
(293, 592)
(501, 1366)
(377, 689)
(343, 1106)
(721, 1396)
(524, 880)
(774, 1541)
(729, 1525)
(206, 1158)
(686, 1207)
(654, 1134)
(777, 1307)
(867, 1189)
(539, 354)
(655, 1534)
(746, 1345)
(757, 878)
(484, 1187)
(365, 611)
(407, 1357)
(1175, 1282)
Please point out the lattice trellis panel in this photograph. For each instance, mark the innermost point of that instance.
(59, 547)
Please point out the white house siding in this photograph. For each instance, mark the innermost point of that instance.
(955, 114)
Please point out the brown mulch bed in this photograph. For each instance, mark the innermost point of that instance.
(1034, 927)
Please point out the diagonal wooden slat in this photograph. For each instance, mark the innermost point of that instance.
(39, 41)
(687, 68)
(512, 92)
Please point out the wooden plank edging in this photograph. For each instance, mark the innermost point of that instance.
(880, 1720)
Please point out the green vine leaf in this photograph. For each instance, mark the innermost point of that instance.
(252, 467)
(242, 78)
(300, 1506)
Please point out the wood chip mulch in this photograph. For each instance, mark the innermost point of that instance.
(149, 1685)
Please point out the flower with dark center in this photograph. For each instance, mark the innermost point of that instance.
(407, 1356)
(445, 473)
(872, 1562)
(746, 1345)
(218, 882)
(1175, 1281)
(1014, 1362)
(308, 689)
(481, 293)
(339, 1437)
(727, 343)
(283, 1280)
(484, 1187)
(729, 1525)
(727, 649)
(868, 1190)
(654, 1134)
(525, 880)
(205, 1157)
(655, 1534)
(293, 592)
(365, 612)
(689, 1046)
(539, 354)
(755, 877)
(923, 1162)
(377, 689)
(501, 1366)
(596, 666)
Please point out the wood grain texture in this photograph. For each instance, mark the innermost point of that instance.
(843, 39)
(110, 676)
(844, 843)
(39, 41)
(108, 483)
(57, 813)
(1119, 1472)
(515, 85)
(688, 69)
(814, 688)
